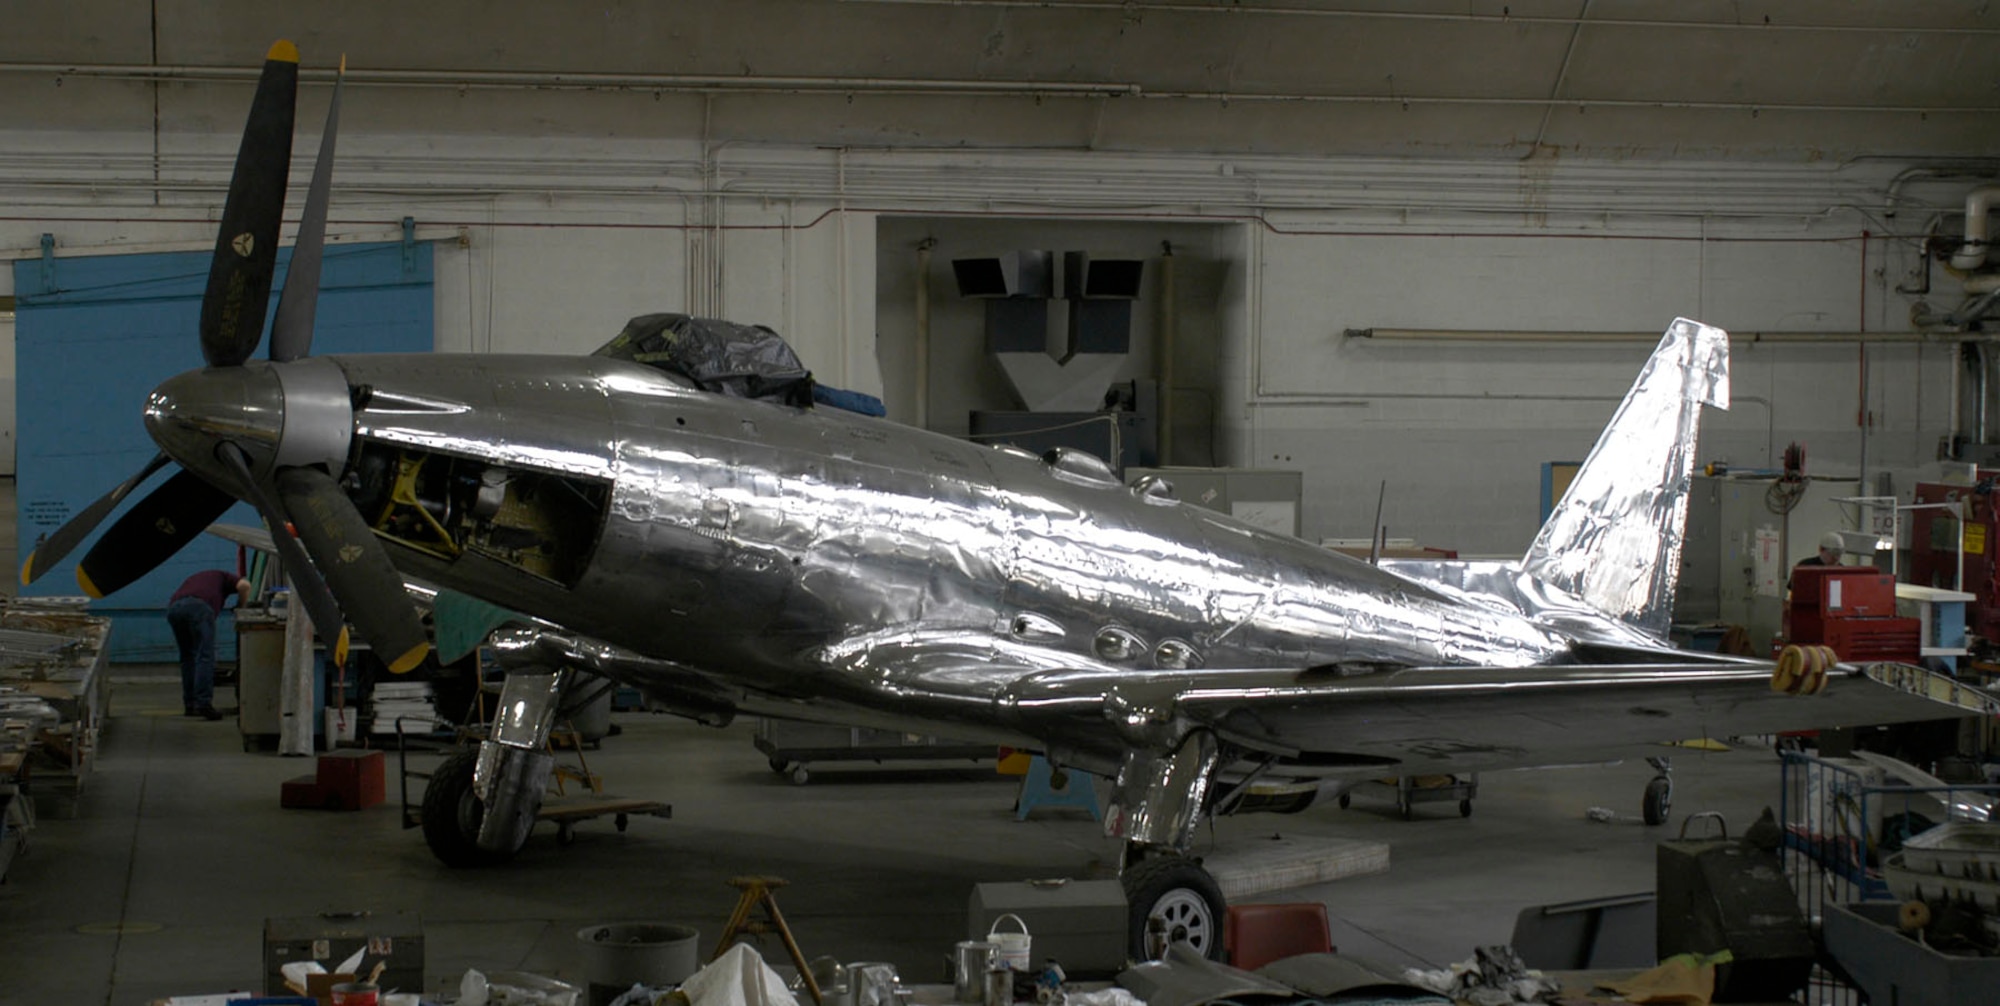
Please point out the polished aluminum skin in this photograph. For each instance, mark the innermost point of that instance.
(1606, 541)
(816, 564)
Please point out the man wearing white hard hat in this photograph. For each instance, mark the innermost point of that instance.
(1830, 549)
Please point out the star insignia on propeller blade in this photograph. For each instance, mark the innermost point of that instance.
(164, 526)
(349, 553)
(244, 243)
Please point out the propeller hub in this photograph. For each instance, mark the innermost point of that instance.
(286, 414)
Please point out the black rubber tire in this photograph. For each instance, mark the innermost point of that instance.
(1183, 895)
(1657, 805)
(1345, 800)
(779, 765)
(1465, 808)
(452, 814)
(1408, 809)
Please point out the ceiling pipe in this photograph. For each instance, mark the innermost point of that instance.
(558, 80)
(1455, 335)
(1972, 254)
(1506, 18)
(464, 80)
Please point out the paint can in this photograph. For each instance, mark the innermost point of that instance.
(971, 960)
(355, 994)
(1010, 949)
(999, 989)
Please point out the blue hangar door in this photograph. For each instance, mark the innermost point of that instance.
(94, 335)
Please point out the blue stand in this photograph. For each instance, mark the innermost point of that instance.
(1038, 790)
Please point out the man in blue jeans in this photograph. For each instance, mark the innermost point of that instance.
(192, 613)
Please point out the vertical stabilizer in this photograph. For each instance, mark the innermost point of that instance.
(1615, 539)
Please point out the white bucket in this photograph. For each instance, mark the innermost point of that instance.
(1010, 949)
(339, 726)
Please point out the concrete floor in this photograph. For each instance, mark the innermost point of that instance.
(179, 852)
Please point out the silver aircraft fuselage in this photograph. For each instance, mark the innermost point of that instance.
(746, 539)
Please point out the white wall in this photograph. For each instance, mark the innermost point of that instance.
(549, 246)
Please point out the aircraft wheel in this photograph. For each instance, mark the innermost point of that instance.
(1407, 809)
(621, 822)
(800, 775)
(1658, 803)
(452, 814)
(565, 833)
(780, 766)
(1345, 800)
(1181, 899)
(1465, 808)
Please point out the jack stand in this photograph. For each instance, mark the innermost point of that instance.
(757, 892)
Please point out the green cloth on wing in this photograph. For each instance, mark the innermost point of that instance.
(462, 622)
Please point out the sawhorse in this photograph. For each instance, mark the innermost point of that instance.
(757, 892)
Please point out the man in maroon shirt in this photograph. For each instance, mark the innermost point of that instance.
(192, 613)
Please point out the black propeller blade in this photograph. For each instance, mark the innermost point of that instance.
(246, 247)
(355, 565)
(77, 528)
(333, 558)
(306, 583)
(292, 332)
(150, 533)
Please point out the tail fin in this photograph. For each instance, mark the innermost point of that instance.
(1615, 539)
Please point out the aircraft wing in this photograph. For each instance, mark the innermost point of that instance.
(1418, 719)
(249, 537)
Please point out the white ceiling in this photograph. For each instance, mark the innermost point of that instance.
(1772, 80)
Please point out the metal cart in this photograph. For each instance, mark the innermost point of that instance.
(1408, 791)
(563, 809)
(790, 746)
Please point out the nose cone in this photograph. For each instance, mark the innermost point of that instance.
(188, 414)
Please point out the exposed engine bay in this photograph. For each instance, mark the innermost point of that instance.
(445, 505)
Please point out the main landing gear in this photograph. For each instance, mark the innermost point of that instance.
(1171, 900)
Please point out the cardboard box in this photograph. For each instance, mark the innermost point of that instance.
(320, 986)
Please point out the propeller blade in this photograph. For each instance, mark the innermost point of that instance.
(77, 528)
(292, 332)
(306, 583)
(246, 247)
(355, 565)
(150, 533)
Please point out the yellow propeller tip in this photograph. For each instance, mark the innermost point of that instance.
(90, 589)
(340, 647)
(28, 571)
(343, 62)
(283, 51)
(409, 660)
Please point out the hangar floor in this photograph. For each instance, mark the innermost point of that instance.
(161, 883)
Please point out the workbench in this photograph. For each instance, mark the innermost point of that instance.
(54, 650)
